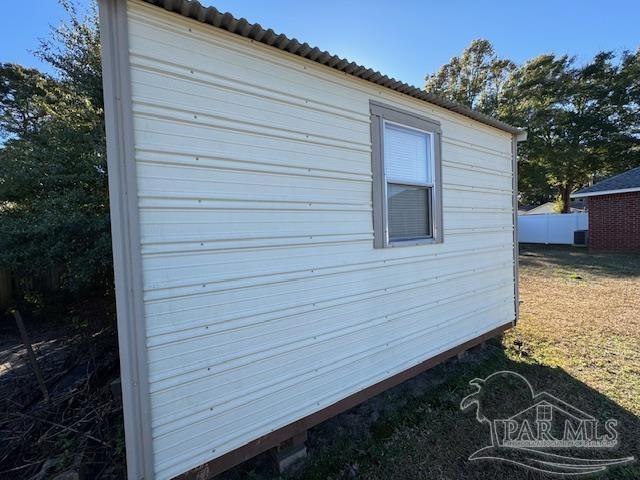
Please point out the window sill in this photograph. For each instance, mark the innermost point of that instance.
(413, 242)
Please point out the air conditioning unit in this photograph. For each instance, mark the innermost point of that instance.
(580, 237)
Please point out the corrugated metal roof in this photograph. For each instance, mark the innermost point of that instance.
(226, 21)
(623, 181)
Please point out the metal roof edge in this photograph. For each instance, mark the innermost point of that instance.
(226, 21)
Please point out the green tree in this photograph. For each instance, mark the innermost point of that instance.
(24, 95)
(582, 121)
(53, 175)
(624, 147)
(475, 79)
(577, 118)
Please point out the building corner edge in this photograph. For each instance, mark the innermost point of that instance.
(516, 138)
(125, 235)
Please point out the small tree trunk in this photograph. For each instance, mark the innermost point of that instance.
(565, 194)
(31, 356)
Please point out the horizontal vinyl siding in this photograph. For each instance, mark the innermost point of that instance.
(264, 298)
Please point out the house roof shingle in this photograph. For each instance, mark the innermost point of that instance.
(226, 21)
(625, 181)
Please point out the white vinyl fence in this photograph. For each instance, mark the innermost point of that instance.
(555, 228)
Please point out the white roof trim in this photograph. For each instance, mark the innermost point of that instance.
(605, 192)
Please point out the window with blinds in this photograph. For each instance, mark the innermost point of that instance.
(407, 168)
(406, 171)
(408, 210)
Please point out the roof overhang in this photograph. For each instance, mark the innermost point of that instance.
(605, 192)
(210, 15)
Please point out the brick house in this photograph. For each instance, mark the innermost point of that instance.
(614, 212)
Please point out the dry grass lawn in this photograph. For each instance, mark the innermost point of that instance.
(581, 312)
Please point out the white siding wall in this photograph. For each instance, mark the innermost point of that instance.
(265, 300)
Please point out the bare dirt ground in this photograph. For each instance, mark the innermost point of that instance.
(78, 432)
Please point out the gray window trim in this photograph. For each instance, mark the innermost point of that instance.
(125, 233)
(379, 113)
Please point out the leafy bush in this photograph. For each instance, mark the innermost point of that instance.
(54, 209)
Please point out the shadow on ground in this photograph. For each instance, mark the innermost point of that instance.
(612, 264)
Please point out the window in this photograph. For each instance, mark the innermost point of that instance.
(406, 171)
(544, 413)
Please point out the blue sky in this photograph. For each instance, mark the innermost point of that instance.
(404, 39)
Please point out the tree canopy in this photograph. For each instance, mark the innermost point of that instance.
(474, 79)
(582, 121)
(53, 174)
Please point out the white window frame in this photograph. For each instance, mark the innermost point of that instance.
(430, 187)
(380, 116)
